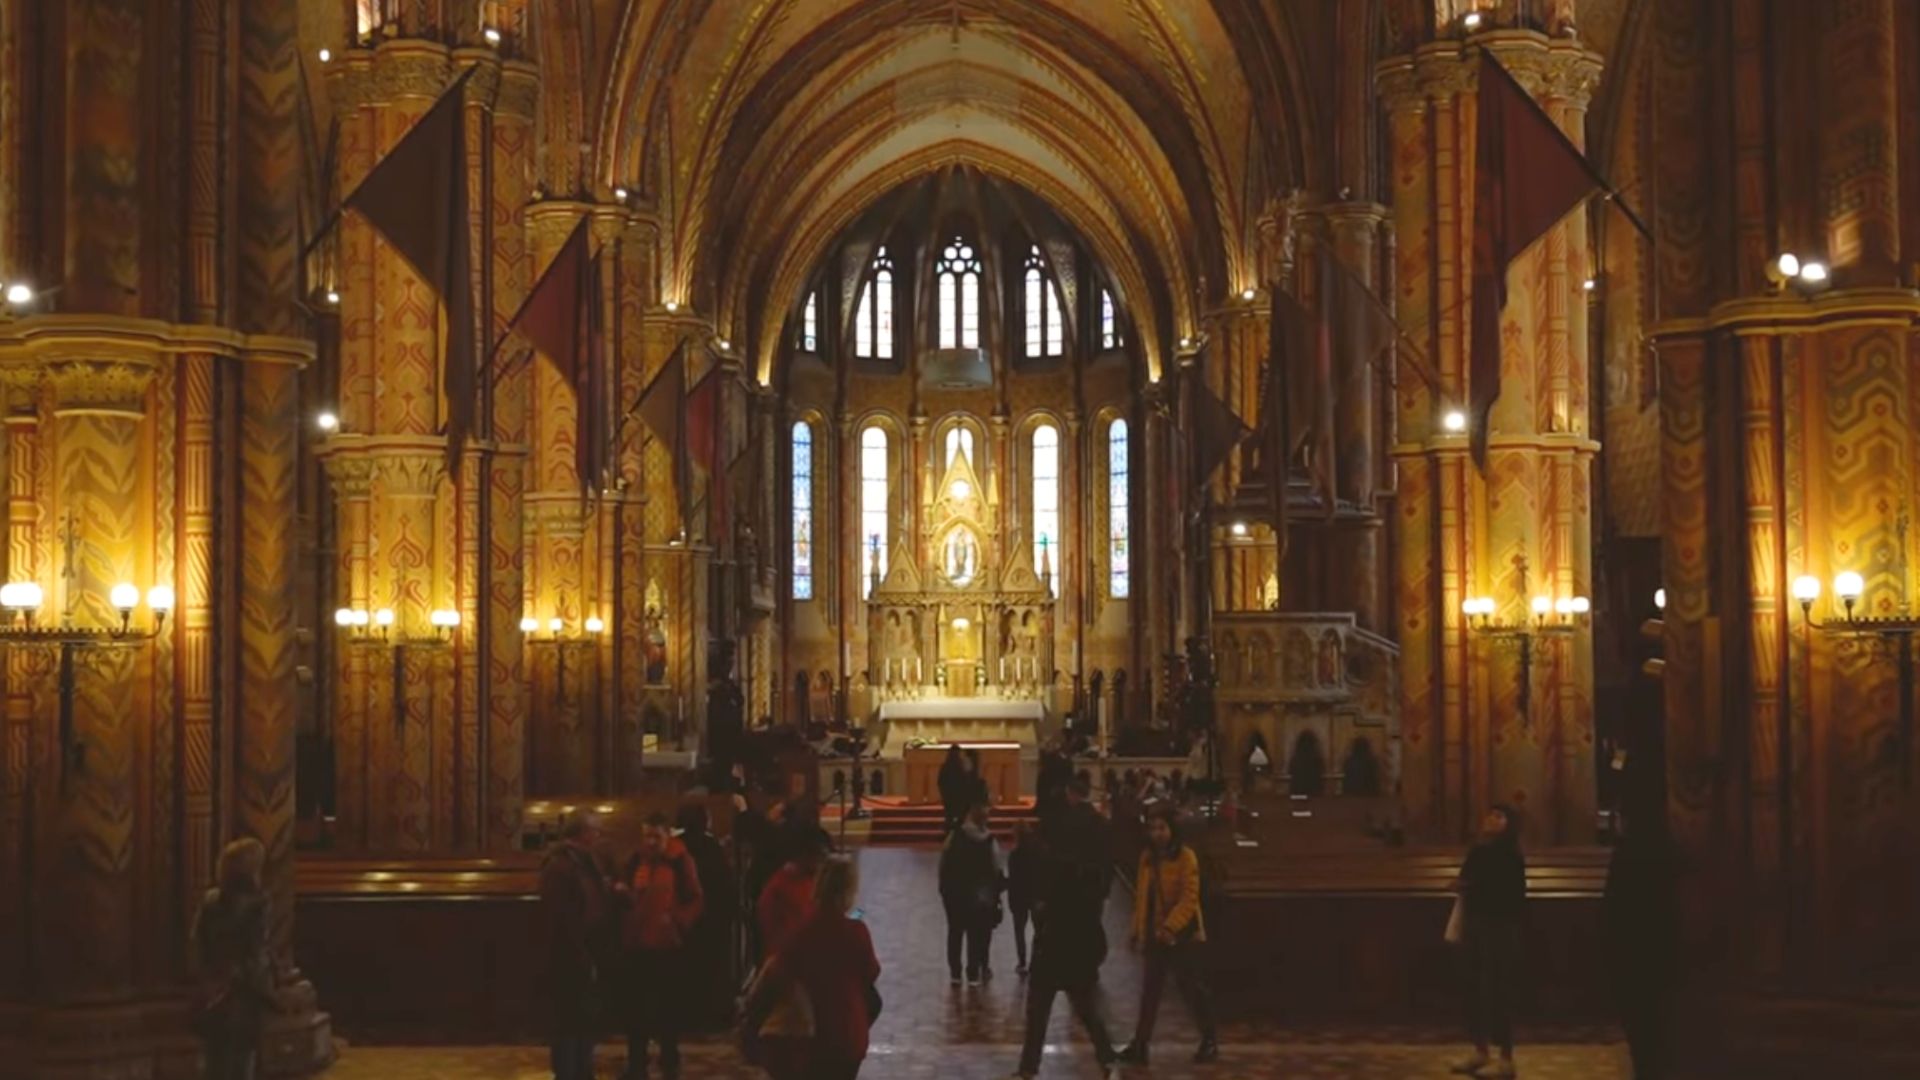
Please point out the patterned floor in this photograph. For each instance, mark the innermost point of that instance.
(930, 1030)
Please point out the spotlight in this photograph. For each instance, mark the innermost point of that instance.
(1248, 295)
(1239, 528)
(326, 55)
(1788, 264)
(1660, 597)
(327, 421)
(19, 293)
(620, 193)
(1589, 284)
(1813, 273)
(492, 35)
(1454, 421)
(673, 305)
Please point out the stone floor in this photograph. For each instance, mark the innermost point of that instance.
(930, 1030)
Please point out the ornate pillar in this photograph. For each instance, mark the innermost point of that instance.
(1472, 733)
(1358, 549)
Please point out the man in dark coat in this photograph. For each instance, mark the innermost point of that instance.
(709, 961)
(1069, 942)
(576, 900)
(1642, 938)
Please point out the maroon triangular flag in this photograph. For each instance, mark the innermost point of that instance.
(703, 444)
(662, 407)
(416, 198)
(1216, 429)
(558, 319)
(1527, 176)
(1285, 395)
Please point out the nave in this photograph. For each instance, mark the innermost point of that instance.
(928, 1030)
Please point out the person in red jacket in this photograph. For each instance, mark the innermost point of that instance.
(786, 903)
(663, 898)
(831, 959)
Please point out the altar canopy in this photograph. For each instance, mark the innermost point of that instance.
(957, 618)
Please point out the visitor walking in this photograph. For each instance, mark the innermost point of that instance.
(970, 892)
(1023, 882)
(1069, 944)
(954, 787)
(1493, 892)
(577, 901)
(786, 903)
(1641, 937)
(831, 960)
(236, 968)
(663, 898)
(1170, 926)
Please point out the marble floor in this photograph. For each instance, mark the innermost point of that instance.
(929, 1030)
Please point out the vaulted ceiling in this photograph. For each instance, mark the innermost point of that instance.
(759, 129)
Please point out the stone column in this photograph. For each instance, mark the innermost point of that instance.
(1358, 546)
(1522, 529)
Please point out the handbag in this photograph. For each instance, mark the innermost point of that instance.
(1456, 932)
(874, 1003)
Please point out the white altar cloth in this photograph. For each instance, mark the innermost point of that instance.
(963, 720)
(962, 709)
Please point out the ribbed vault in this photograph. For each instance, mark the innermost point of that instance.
(759, 131)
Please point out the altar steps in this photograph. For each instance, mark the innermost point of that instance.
(903, 823)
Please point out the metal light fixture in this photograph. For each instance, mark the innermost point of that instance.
(1454, 422)
(1891, 634)
(1549, 617)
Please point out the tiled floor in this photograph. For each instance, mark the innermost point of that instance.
(929, 1030)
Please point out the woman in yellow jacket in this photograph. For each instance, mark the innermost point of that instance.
(1169, 925)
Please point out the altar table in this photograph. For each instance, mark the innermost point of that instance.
(999, 764)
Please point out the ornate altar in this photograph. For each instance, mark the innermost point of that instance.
(958, 619)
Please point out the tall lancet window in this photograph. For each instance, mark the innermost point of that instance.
(960, 441)
(803, 511)
(873, 322)
(810, 323)
(1046, 331)
(1109, 321)
(1048, 551)
(873, 506)
(958, 274)
(1119, 502)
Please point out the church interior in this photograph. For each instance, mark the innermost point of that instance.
(431, 424)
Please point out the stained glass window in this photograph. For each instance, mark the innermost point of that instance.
(810, 323)
(873, 322)
(958, 273)
(1109, 321)
(1119, 499)
(1046, 330)
(873, 506)
(803, 511)
(960, 441)
(1047, 548)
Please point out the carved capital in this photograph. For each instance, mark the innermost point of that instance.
(483, 89)
(410, 475)
(101, 386)
(410, 68)
(352, 475)
(351, 82)
(20, 391)
(519, 96)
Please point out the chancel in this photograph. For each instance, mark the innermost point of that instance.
(532, 524)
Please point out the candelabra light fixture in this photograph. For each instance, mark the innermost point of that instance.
(21, 602)
(562, 640)
(1891, 634)
(1548, 618)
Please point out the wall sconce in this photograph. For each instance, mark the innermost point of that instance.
(22, 601)
(1550, 618)
(1891, 634)
(561, 642)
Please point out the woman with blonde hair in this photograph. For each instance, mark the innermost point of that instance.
(236, 967)
(831, 962)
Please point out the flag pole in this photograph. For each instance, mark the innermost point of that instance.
(339, 211)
